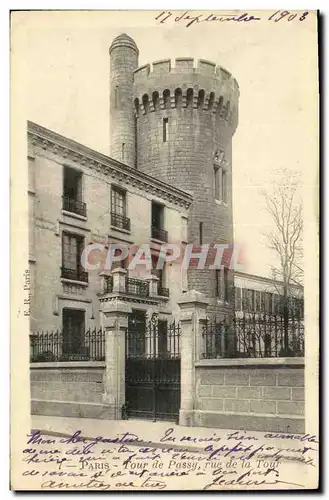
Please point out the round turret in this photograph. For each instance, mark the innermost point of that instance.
(123, 62)
(186, 117)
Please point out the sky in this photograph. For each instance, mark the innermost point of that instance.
(65, 66)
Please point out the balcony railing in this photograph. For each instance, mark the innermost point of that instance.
(120, 221)
(163, 292)
(58, 346)
(159, 234)
(137, 287)
(108, 284)
(74, 206)
(74, 274)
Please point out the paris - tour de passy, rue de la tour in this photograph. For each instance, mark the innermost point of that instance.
(162, 343)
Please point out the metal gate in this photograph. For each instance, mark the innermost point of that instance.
(152, 368)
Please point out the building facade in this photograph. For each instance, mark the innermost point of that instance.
(258, 294)
(78, 197)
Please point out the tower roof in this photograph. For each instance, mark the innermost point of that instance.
(124, 40)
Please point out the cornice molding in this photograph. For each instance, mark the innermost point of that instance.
(76, 152)
(264, 279)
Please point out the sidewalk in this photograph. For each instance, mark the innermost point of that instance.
(149, 432)
(154, 434)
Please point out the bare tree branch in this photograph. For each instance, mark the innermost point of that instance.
(285, 209)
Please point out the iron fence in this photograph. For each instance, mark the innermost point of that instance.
(153, 340)
(59, 346)
(252, 335)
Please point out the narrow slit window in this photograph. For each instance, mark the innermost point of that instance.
(123, 152)
(116, 97)
(165, 129)
(224, 186)
(201, 233)
(217, 182)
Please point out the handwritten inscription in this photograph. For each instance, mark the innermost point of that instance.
(188, 19)
(235, 459)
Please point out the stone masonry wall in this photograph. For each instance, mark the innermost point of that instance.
(186, 160)
(71, 392)
(251, 397)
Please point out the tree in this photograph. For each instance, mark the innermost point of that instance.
(283, 203)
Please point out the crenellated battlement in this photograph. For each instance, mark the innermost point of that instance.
(202, 86)
(183, 65)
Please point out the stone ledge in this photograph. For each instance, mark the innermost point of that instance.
(67, 364)
(251, 362)
(74, 409)
(74, 215)
(250, 422)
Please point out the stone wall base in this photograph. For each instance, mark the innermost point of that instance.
(74, 409)
(236, 421)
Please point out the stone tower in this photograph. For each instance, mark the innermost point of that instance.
(185, 117)
(123, 62)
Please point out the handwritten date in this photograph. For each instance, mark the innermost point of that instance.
(244, 17)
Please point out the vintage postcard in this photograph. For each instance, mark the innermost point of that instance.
(164, 225)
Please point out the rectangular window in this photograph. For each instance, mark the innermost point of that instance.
(244, 299)
(238, 298)
(157, 215)
(165, 129)
(72, 187)
(72, 191)
(262, 301)
(157, 220)
(119, 217)
(257, 301)
(268, 302)
(73, 332)
(72, 248)
(252, 300)
(118, 201)
(250, 296)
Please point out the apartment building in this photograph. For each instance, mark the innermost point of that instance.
(78, 197)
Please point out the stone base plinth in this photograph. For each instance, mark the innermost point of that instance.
(74, 409)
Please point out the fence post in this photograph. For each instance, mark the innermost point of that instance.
(153, 285)
(119, 280)
(193, 306)
(114, 320)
